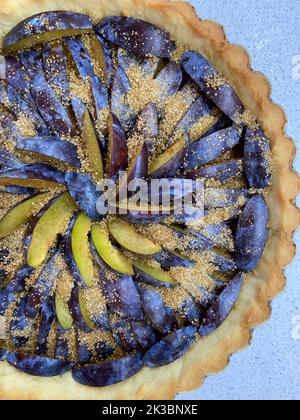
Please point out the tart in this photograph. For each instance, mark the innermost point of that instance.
(142, 302)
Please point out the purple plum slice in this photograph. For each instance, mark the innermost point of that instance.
(46, 27)
(62, 348)
(222, 123)
(51, 109)
(106, 58)
(189, 312)
(257, 159)
(85, 355)
(121, 295)
(109, 372)
(194, 241)
(221, 307)
(31, 61)
(171, 348)
(119, 106)
(100, 95)
(222, 172)
(9, 161)
(56, 71)
(81, 57)
(6, 298)
(37, 365)
(79, 109)
(17, 190)
(46, 320)
(20, 324)
(124, 336)
(3, 354)
(103, 350)
(224, 263)
(18, 283)
(137, 36)
(117, 148)
(209, 148)
(84, 192)
(170, 80)
(161, 316)
(147, 126)
(251, 234)
(168, 259)
(16, 76)
(43, 287)
(144, 334)
(50, 147)
(213, 85)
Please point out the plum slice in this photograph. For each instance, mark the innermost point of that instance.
(168, 259)
(80, 249)
(251, 233)
(6, 298)
(104, 55)
(155, 276)
(80, 56)
(53, 148)
(212, 83)
(37, 365)
(117, 148)
(56, 71)
(170, 161)
(192, 240)
(35, 176)
(51, 109)
(16, 76)
(20, 214)
(8, 160)
(91, 147)
(44, 286)
(46, 320)
(100, 95)
(221, 307)
(109, 254)
(109, 372)
(48, 224)
(3, 354)
(222, 172)
(123, 335)
(169, 79)
(31, 61)
(46, 27)
(84, 192)
(20, 325)
(211, 147)
(62, 312)
(79, 311)
(257, 159)
(161, 316)
(126, 235)
(146, 126)
(143, 334)
(121, 295)
(224, 263)
(171, 348)
(119, 104)
(18, 283)
(137, 36)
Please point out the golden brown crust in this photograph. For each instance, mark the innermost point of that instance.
(211, 354)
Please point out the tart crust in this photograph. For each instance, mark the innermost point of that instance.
(209, 355)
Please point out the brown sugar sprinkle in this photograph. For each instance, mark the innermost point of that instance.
(134, 143)
(80, 88)
(202, 126)
(215, 81)
(144, 89)
(175, 297)
(248, 119)
(65, 280)
(160, 234)
(94, 301)
(12, 254)
(25, 126)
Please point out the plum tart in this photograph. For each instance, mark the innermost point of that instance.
(144, 301)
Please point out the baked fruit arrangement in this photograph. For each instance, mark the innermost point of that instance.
(105, 296)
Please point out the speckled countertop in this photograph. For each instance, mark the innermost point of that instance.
(270, 367)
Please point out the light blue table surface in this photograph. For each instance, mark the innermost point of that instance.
(270, 367)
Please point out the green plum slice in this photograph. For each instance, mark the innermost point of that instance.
(155, 276)
(46, 27)
(91, 146)
(81, 250)
(110, 255)
(63, 313)
(127, 236)
(49, 223)
(20, 214)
